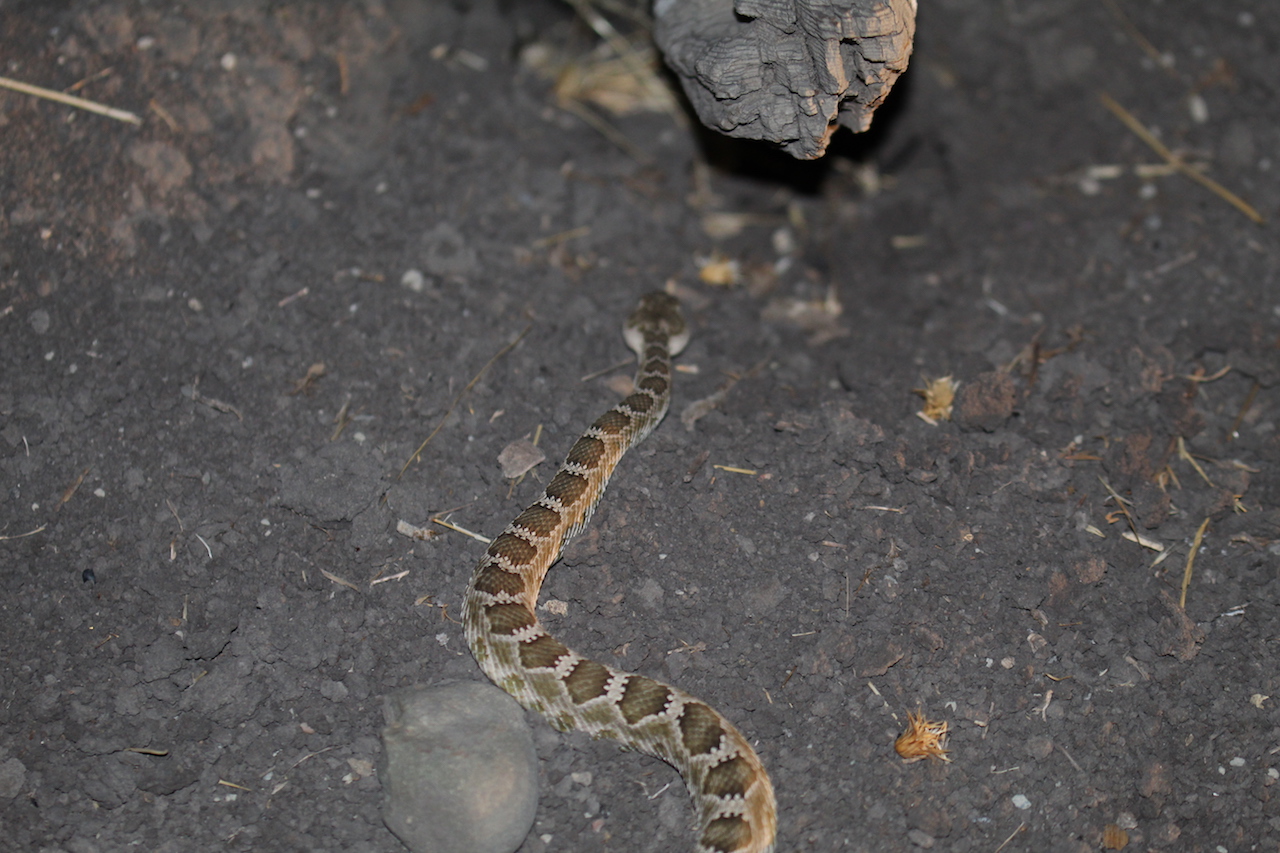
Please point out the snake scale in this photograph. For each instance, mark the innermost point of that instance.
(731, 791)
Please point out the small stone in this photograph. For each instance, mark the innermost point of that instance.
(413, 280)
(334, 691)
(986, 402)
(1039, 747)
(519, 457)
(920, 838)
(1020, 802)
(459, 769)
(40, 321)
(12, 774)
(445, 252)
(1091, 570)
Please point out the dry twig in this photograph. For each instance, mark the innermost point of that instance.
(70, 100)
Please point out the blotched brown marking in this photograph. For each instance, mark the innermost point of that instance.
(538, 520)
(656, 384)
(729, 779)
(638, 403)
(542, 653)
(518, 551)
(612, 422)
(508, 618)
(567, 487)
(642, 697)
(726, 834)
(586, 451)
(656, 366)
(586, 681)
(495, 580)
(699, 728)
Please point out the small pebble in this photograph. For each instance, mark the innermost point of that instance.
(921, 838)
(87, 576)
(40, 321)
(13, 774)
(519, 457)
(413, 280)
(1020, 802)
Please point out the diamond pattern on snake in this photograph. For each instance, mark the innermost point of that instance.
(731, 791)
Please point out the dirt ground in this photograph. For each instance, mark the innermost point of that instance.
(205, 594)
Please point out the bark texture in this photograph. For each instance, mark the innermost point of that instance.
(786, 71)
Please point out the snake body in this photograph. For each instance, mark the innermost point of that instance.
(732, 794)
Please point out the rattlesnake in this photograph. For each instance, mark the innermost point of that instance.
(730, 788)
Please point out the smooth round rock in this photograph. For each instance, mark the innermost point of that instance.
(459, 769)
(12, 775)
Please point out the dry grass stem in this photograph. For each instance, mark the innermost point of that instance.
(298, 294)
(340, 581)
(1161, 60)
(341, 419)
(1244, 410)
(23, 535)
(610, 369)
(730, 469)
(1177, 162)
(165, 115)
(70, 100)
(1142, 540)
(1186, 456)
(212, 402)
(1191, 561)
(1122, 503)
(73, 488)
(1012, 836)
(640, 87)
(699, 409)
(571, 234)
(606, 130)
(499, 354)
(464, 531)
(1199, 375)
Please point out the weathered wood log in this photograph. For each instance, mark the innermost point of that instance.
(787, 71)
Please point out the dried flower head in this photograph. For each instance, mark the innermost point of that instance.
(922, 739)
(939, 395)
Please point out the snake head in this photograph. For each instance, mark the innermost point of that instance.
(657, 319)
